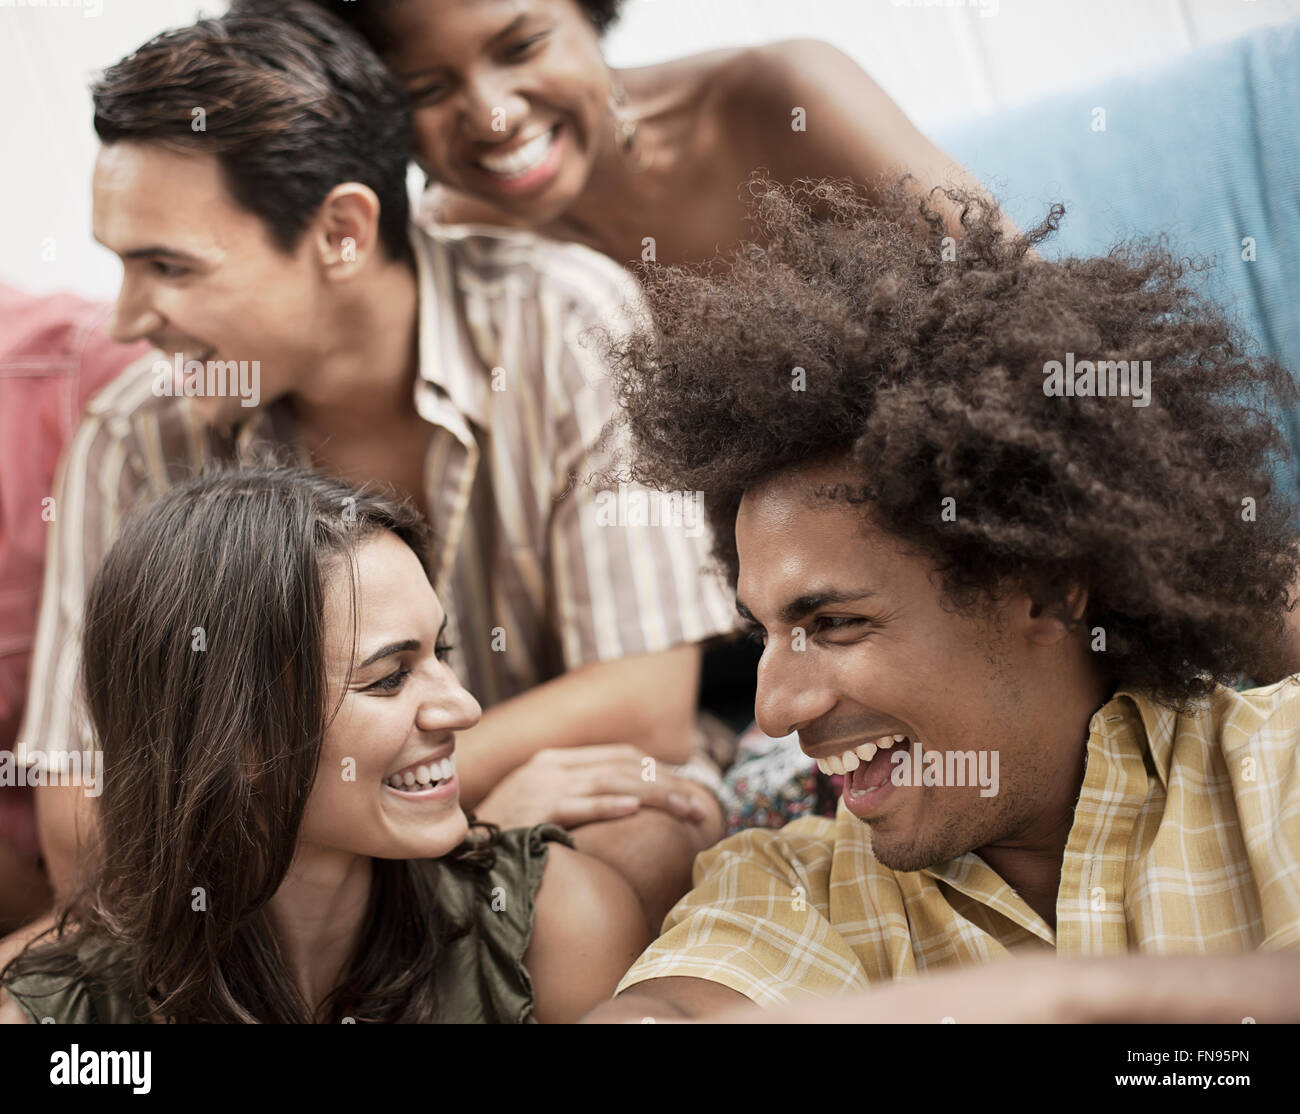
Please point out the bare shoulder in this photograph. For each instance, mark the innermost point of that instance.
(577, 887)
(588, 929)
(779, 69)
(11, 1013)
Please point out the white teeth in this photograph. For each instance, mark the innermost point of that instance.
(867, 751)
(885, 743)
(899, 738)
(425, 775)
(522, 159)
(824, 766)
(850, 761)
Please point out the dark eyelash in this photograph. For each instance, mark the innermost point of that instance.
(392, 682)
(427, 94)
(521, 47)
(834, 623)
(441, 650)
(756, 635)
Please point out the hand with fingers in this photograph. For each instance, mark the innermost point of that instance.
(572, 786)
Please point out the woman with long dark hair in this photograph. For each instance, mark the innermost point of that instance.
(281, 838)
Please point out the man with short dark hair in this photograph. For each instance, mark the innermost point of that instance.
(1004, 597)
(252, 180)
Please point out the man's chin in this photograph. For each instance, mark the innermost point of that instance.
(221, 414)
(910, 852)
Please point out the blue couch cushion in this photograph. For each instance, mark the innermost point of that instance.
(1204, 149)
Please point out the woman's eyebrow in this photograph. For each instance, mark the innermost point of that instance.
(390, 649)
(504, 33)
(409, 644)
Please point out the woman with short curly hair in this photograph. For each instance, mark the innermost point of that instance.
(519, 121)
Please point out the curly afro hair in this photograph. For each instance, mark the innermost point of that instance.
(367, 15)
(923, 367)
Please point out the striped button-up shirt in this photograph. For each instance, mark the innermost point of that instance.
(543, 563)
(1186, 840)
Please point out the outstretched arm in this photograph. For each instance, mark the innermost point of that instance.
(587, 931)
(850, 127)
(1262, 987)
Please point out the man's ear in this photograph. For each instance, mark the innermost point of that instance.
(346, 232)
(1047, 624)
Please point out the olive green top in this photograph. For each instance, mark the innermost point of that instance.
(481, 976)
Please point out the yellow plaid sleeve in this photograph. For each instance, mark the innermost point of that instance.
(756, 922)
(1263, 765)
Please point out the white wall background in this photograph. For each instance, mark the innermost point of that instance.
(940, 62)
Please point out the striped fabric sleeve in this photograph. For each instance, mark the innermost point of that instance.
(96, 473)
(751, 924)
(632, 569)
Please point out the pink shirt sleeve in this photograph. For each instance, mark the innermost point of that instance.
(55, 353)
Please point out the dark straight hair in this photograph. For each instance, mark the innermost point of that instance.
(210, 757)
(291, 105)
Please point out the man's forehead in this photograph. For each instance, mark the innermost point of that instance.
(799, 531)
(147, 195)
(130, 165)
(788, 499)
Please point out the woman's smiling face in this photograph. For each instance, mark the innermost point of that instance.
(399, 705)
(510, 98)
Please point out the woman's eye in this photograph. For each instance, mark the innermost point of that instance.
(427, 94)
(391, 683)
(522, 49)
(167, 270)
(442, 650)
(757, 635)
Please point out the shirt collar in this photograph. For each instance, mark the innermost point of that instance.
(1154, 725)
(1129, 715)
(449, 361)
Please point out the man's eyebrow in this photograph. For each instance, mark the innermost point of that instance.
(154, 251)
(504, 33)
(803, 605)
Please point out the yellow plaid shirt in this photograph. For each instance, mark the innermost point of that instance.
(1186, 840)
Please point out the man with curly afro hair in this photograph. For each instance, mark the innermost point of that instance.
(1007, 531)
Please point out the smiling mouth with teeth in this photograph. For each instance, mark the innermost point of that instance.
(523, 159)
(850, 760)
(427, 775)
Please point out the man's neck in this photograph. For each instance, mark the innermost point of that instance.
(1030, 860)
(365, 381)
(319, 911)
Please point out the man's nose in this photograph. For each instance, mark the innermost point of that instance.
(790, 692)
(133, 317)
